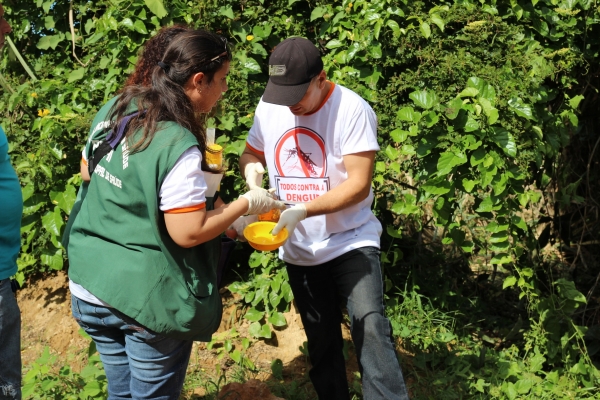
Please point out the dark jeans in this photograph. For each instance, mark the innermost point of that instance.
(139, 364)
(353, 279)
(10, 343)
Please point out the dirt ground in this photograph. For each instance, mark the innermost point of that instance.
(46, 321)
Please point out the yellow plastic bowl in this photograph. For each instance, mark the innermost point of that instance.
(258, 234)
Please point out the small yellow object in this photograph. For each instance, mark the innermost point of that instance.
(249, 37)
(43, 113)
(34, 95)
(215, 159)
(259, 235)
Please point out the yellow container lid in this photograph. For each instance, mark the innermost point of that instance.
(216, 156)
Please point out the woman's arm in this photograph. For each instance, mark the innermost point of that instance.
(192, 228)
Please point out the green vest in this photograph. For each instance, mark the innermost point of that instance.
(121, 252)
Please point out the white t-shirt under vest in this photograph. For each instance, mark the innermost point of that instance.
(304, 157)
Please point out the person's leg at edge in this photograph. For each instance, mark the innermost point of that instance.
(358, 276)
(105, 330)
(139, 364)
(158, 364)
(10, 343)
(318, 305)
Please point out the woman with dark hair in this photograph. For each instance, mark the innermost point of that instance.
(144, 247)
(152, 53)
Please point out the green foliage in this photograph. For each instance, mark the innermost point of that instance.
(223, 344)
(40, 382)
(267, 292)
(476, 100)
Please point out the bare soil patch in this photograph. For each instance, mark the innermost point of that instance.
(45, 305)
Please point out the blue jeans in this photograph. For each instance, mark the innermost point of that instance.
(10, 343)
(353, 279)
(139, 364)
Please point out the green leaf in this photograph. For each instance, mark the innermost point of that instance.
(494, 227)
(448, 160)
(568, 291)
(468, 184)
(487, 205)
(156, 7)
(65, 200)
(375, 51)
(236, 356)
(49, 22)
(393, 25)
(399, 135)
(502, 258)
(318, 12)
(471, 125)
(127, 23)
(391, 153)
(277, 319)
(430, 119)
(574, 102)
(523, 386)
(226, 11)
(49, 41)
(509, 282)
(254, 315)
(255, 329)
(522, 110)
(437, 19)
(425, 30)
(77, 74)
(265, 331)
(52, 258)
(140, 27)
(251, 66)
(424, 99)
(505, 140)
(499, 237)
(52, 221)
(453, 108)
(519, 222)
(395, 233)
(437, 186)
(334, 44)
(484, 89)
(469, 92)
(405, 207)
(408, 114)
(27, 191)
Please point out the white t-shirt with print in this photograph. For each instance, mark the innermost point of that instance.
(305, 160)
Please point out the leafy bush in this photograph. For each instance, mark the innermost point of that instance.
(477, 102)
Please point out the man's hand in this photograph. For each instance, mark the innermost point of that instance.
(254, 175)
(290, 218)
(261, 200)
(241, 223)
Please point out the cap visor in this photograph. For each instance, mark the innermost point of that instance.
(284, 95)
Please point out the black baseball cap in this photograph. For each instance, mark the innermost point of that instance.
(292, 65)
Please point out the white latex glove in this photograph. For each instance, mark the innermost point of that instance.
(241, 223)
(290, 218)
(261, 200)
(254, 175)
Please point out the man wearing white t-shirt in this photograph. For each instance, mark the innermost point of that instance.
(318, 141)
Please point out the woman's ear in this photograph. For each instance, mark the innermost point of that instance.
(197, 79)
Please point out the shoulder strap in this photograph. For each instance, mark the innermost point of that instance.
(111, 142)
